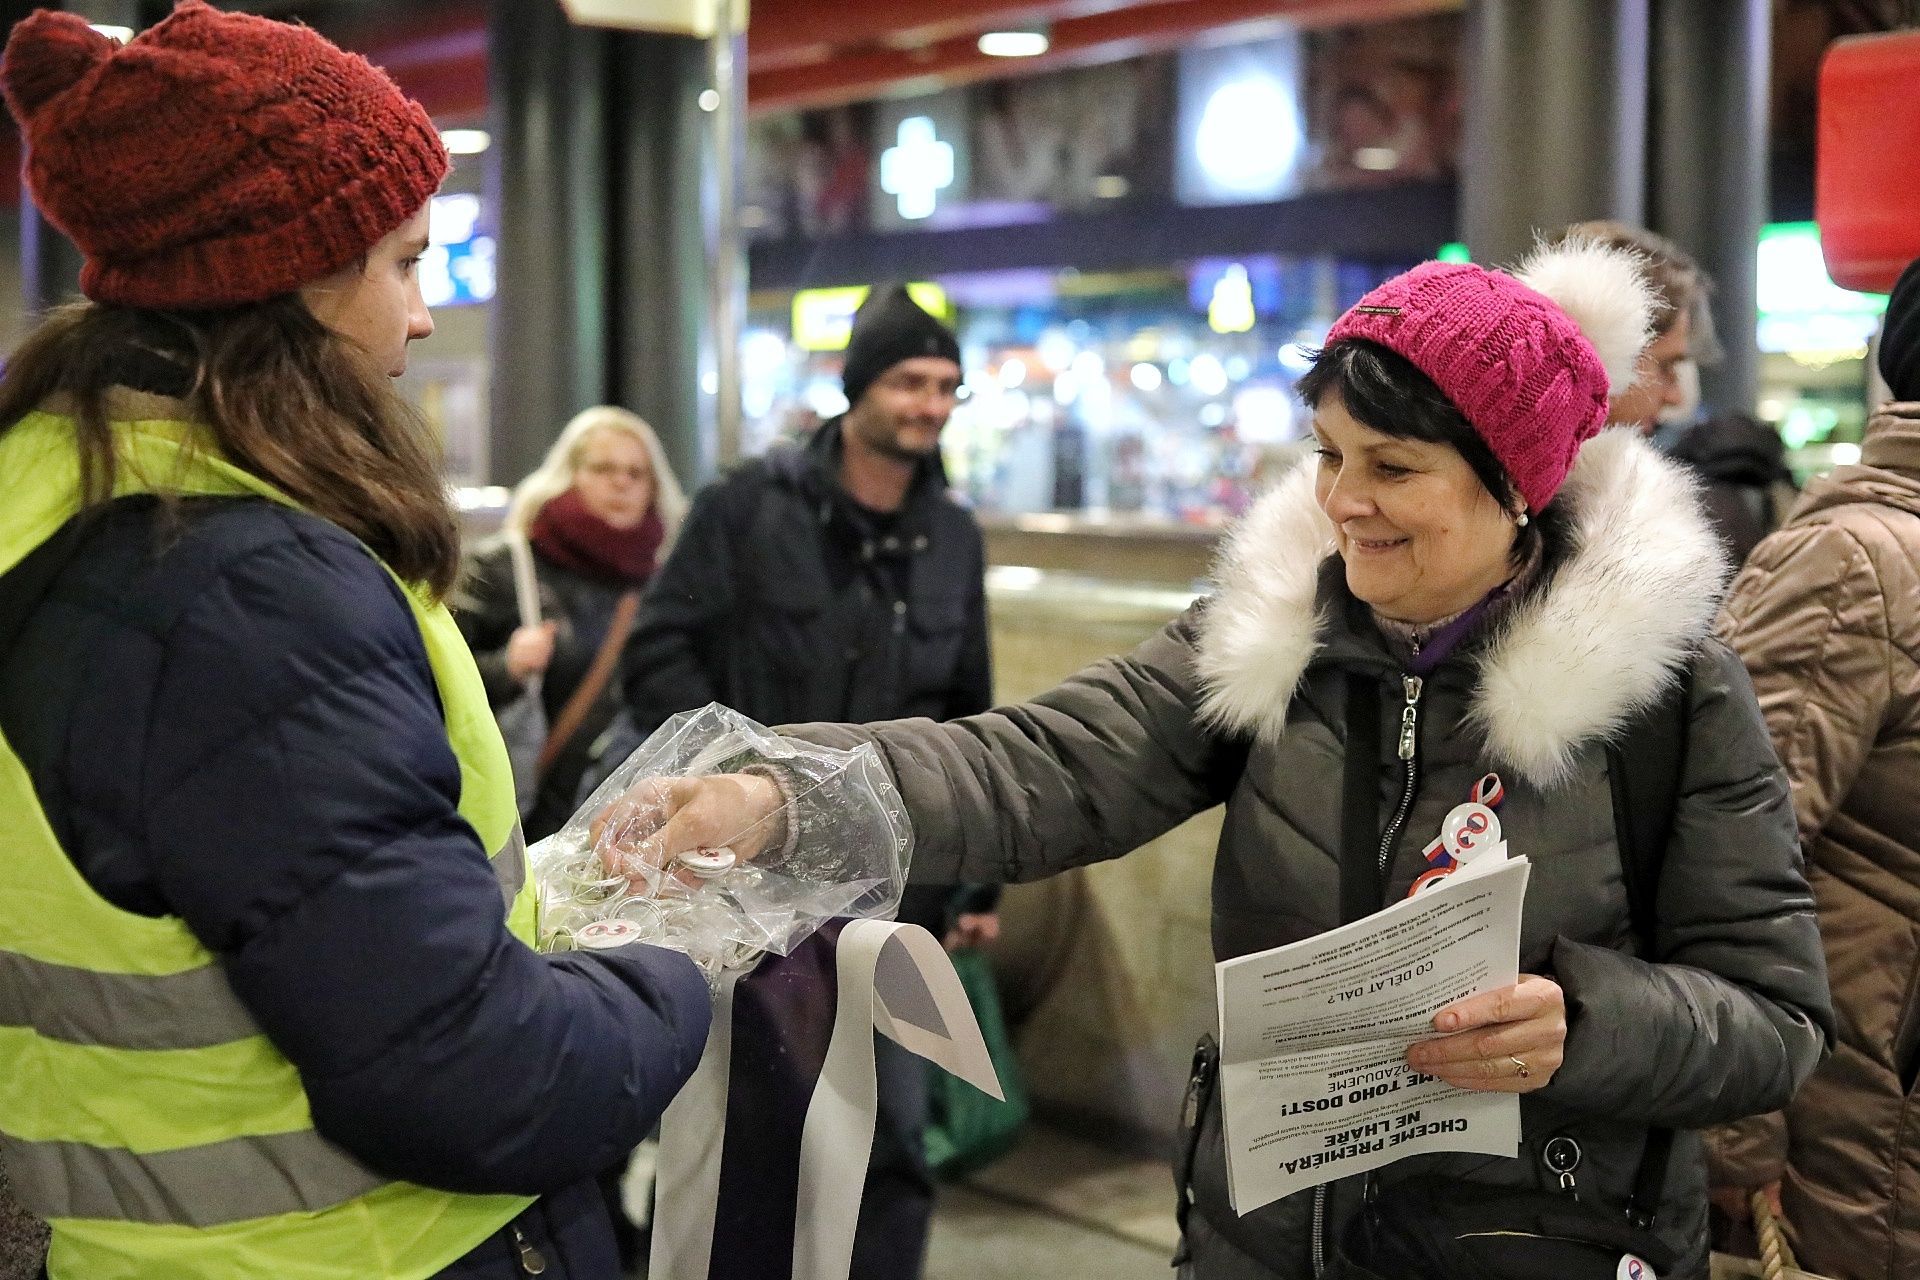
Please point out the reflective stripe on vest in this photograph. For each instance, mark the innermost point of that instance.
(189, 1010)
(142, 1111)
(231, 1181)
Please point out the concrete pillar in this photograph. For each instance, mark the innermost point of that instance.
(49, 264)
(1707, 179)
(1556, 119)
(603, 293)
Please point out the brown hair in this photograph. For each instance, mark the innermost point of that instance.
(1678, 283)
(284, 397)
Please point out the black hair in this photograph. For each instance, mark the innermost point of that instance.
(1384, 390)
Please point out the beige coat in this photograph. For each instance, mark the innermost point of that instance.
(1827, 619)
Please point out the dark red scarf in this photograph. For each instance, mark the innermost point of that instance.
(569, 535)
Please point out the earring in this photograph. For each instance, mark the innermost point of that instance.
(1520, 521)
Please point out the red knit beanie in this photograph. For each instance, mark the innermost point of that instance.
(1530, 358)
(218, 158)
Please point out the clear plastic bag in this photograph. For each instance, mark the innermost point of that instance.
(846, 854)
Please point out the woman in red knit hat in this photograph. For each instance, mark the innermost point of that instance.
(268, 1003)
(1471, 613)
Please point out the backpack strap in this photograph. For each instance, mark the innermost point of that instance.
(1360, 802)
(1644, 768)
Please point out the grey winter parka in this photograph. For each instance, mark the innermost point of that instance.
(1242, 701)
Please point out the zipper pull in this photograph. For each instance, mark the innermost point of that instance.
(532, 1261)
(1197, 1081)
(1410, 715)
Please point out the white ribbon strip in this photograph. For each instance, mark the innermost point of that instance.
(892, 978)
(896, 979)
(692, 1132)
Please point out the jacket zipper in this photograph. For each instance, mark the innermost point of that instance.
(531, 1260)
(1409, 754)
(1408, 750)
(1319, 1230)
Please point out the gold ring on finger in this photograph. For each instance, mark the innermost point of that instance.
(1520, 1068)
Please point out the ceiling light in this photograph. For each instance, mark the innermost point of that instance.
(1014, 44)
(465, 142)
(111, 32)
(1378, 159)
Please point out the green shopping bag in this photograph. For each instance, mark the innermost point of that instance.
(966, 1129)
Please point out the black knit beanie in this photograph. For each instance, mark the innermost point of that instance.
(889, 328)
(1900, 336)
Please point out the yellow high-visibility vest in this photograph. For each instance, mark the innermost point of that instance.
(142, 1111)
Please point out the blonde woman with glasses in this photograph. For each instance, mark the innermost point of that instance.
(587, 528)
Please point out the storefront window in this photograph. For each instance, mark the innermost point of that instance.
(1814, 339)
(1157, 395)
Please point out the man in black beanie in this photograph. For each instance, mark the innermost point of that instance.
(839, 581)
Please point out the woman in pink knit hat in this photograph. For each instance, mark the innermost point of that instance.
(1468, 603)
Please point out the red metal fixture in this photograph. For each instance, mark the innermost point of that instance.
(1869, 143)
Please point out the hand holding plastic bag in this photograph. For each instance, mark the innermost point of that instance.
(722, 840)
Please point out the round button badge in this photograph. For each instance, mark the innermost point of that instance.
(602, 934)
(708, 863)
(1470, 830)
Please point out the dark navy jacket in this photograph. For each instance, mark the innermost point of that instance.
(230, 717)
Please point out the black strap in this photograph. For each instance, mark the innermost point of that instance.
(1644, 768)
(1360, 803)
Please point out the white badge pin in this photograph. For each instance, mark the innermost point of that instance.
(602, 934)
(708, 863)
(1470, 831)
(1632, 1268)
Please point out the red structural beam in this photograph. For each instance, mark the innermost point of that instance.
(783, 33)
(1096, 37)
(804, 53)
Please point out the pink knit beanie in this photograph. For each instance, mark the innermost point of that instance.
(1528, 358)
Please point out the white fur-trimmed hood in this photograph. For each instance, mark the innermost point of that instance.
(1574, 662)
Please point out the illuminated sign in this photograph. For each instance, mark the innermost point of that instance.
(1230, 310)
(458, 267)
(1241, 137)
(1802, 311)
(678, 17)
(823, 318)
(1248, 135)
(917, 168)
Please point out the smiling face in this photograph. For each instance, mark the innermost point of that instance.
(903, 411)
(1421, 537)
(375, 304)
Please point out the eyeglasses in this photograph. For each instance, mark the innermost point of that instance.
(613, 470)
(1667, 370)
